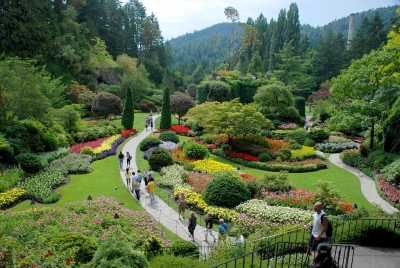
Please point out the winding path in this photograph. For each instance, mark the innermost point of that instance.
(368, 187)
(159, 210)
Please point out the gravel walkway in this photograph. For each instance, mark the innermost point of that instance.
(368, 187)
(159, 210)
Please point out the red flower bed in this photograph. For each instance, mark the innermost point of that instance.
(390, 191)
(128, 132)
(212, 146)
(295, 198)
(248, 177)
(244, 156)
(76, 148)
(199, 181)
(287, 126)
(180, 129)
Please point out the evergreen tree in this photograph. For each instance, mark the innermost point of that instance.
(166, 110)
(293, 26)
(128, 114)
(256, 66)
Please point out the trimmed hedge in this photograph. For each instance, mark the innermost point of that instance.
(331, 147)
(195, 151)
(30, 163)
(160, 158)
(149, 142)
(184, 249)
(169, 136)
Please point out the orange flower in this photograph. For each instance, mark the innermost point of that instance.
(277, 145)
(346, 207)
(69, 261)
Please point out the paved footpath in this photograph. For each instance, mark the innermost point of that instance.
(159, 210)
(368, 187)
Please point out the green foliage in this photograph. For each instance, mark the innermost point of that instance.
(149, 142)
(300, 104)
(181, 103)
(184, 249)
(128, 114)
(284, 154)
(226, 190)
(152, 247)
(102, 128)
(392, 129)
(167, 261)
(106, 104)
(379, 159)
(169, 136)
(265, 157)
(276, 183)
(298, 135)
(165, 122)
(117, 253)
(329, 197)
(318, 134)
(195, 151)
(82, 246)
(213, 91)
(10, 178)
(392, 172)
(68, 117)
(252, 144)
(160, 158)
(309, 142)
(73, 164)
(30, 163)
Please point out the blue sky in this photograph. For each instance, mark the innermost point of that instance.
(178, 17)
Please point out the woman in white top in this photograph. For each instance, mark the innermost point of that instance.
(319, 227)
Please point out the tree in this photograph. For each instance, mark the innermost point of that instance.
(275, 102)
(180, 104)
(166, 110)
(213, 91)
(128, 114)
(392, 129)
(300, 104)
(293, 26)
(232, 14)
(106, 104)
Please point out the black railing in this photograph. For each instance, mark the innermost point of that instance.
(260, 253)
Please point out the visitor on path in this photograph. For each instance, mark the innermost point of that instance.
(128, 159)
(150, 189)
(181, 206)
(151, 123)
(324, 257)
(192, 225)
(121, 159)
(136, 185)
(222, 230)
(128, 176)
(320, 226)
(209, 226)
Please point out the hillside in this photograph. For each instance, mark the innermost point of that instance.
(209, 46)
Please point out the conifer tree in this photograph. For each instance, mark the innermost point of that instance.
(128, 115)
(166, 110)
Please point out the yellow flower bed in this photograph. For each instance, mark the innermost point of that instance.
(211, 166)
(106, 145)
(196, 200)
(303, 153)
(11, 196)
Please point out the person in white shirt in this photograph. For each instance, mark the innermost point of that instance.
(319, 227)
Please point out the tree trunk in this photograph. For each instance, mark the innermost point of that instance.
(372, 134)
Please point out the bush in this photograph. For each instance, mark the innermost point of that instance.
(160, 158)
(169, 136)
(102, 128)
(353, 158)
(265, 157)
(226, 190)
(329, 197)
(284, 154)
(73, 164)
(10, 178)
(318, 134)
(195, 151)
(172, 176)
(309, 142)
(184, 249)
(147, 106)
(276, 183)
(106, 104)
(304, 152)
(329, 147)
(117, 253)
(152, 247)
(168, 261)
(88, 151)
(209, 138)
(30, 163)
(7, 199)
(392, 172)
(83, 247)
(213, 91)
(52, 198)
(300, 104)
(299, 136)
(149, 142)
(379, 159)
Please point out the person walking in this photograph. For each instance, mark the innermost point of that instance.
(320, 226)
(209, 226)
(150, 189)
(128, 159)
(128, 176)
(136, 185)
(121, 159)
(192, 225)
(222, 230)
(181, 206)
(151, 123)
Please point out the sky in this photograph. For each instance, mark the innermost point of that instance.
(178, 17)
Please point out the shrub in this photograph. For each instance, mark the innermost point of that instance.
(152, 247)
(265, 157)
(392, 172)
(82, 246)
(10, 178)
(73, 164)
(195, 151)
(213, 91)
(149, 142)
(284, 154)
(167, 261)
(244, 156)
(181, 130)
(172, 176)
(276, 183)
(117, 253)
(251, 144)
(329, 197)
(208, 138)
(147, 106)
(184, 249)
(300, 104)
(30, 163)
(106, 104)
(160, 158)
(318, 134)
(7, 199)
(353, 158)
(226, 190)
(211, 166)
(329, 147)
(88, 151)
(303, 153)
(299, 136)
(309, 142)
(198, 181)
(379, 159)
(169, 136)
(51, 198)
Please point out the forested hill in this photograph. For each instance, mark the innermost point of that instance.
(209, 46)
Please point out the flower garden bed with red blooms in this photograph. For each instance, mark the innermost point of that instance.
(244, 156)
(288, 126)
(76, 148)
(295, 198)
(248, 177)
(180, 129)
(389, 190)
(199, 181)
(128, 132)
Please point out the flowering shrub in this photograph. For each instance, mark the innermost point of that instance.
(346, 207)
(332, 147)
(92, 144)
(111, 151)
(221, 139)
(390, 191)
(195, 200)
(179, 155)
(211, 166)
(244, 156)
(248, 177)
(199, 181)
(277, 145)
(102, 148)
(392, 172)
(126, 133)
(247, 224)
(73, 164)
(294, 198)
(303, 153)
(288, 126)
(11, 197)
(180, 129)
(172, 176)
(276, 215)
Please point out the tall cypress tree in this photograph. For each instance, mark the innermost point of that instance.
(166, 110)
(293, 26)
(128, 115)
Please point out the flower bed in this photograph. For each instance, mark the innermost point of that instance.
(76, 148)
(112, 150)
(294, 198)
(333, 147)
(243, 156)
(304, 153)
(211, 166)
(106, 145)
(389, 190)
(198, 181)
(248, 177)
(126, 133)
(172, 176)
(277, 145)
(180, 129)
(7, 199)
(288, 126)
(272, 214)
